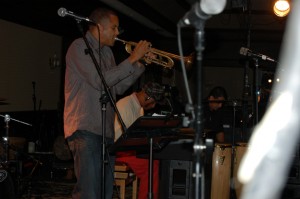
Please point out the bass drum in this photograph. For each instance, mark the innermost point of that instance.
(240, 151)
(7, 189)
(221, 164)
(61, 149)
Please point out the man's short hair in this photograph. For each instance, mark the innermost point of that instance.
(101, 13)
(155, 90)
(218, 91)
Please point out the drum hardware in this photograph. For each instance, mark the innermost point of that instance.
(3, 175)
(8, 184)
(20, 171)
(7, 119)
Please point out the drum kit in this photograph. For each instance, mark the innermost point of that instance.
(18, 166)
(11, 148)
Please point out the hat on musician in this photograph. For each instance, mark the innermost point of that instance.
(155, 91)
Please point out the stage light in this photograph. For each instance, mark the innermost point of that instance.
(281, 8)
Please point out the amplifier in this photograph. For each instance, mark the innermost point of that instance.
(176, 181)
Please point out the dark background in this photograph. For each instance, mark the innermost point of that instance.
(245, 23)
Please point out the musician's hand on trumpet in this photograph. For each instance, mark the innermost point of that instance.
(141, 50)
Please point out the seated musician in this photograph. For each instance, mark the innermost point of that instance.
(213, 116)
(213, 128)
(132, 107)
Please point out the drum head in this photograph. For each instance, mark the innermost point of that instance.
(61, 149)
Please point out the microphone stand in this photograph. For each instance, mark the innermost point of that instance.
(6, 120)
(197, 19)
(36, 130)
(256, 90)
(104, 100)
(245, 111)
(198, 144)
(106, 97)
(233, 150)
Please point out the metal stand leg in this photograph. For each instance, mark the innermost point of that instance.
(150, 170)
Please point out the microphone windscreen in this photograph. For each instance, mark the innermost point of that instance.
(61, 12)
(212, 7)
(243, 51)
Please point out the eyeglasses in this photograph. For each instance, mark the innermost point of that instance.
(148, 98)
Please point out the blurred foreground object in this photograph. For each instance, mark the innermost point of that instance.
(265, 168)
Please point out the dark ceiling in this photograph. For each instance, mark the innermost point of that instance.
(248, 23)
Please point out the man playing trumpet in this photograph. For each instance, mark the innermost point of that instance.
(83, 89)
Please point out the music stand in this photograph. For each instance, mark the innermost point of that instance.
(148, 130)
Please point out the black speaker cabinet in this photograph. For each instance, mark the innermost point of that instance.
(176, 179)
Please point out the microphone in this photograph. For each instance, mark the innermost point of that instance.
(247, 52)
(202, 11)
(64, 12)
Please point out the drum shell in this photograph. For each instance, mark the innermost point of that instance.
(221, 167)
(239, 152)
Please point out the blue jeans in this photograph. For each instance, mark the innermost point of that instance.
(86, 148)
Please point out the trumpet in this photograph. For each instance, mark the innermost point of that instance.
(163, 58)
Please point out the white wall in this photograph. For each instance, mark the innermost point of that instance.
(25, 55)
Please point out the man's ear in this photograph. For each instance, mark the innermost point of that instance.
(100, 27)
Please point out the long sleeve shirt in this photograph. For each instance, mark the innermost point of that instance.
(83, 86)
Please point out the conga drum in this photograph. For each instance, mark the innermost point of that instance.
(61, 149)
(63, 157)
(240, 150)
(221, 167)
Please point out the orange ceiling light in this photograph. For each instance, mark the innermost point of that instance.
(281, 8)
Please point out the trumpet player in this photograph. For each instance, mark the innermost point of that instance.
(82, 110)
